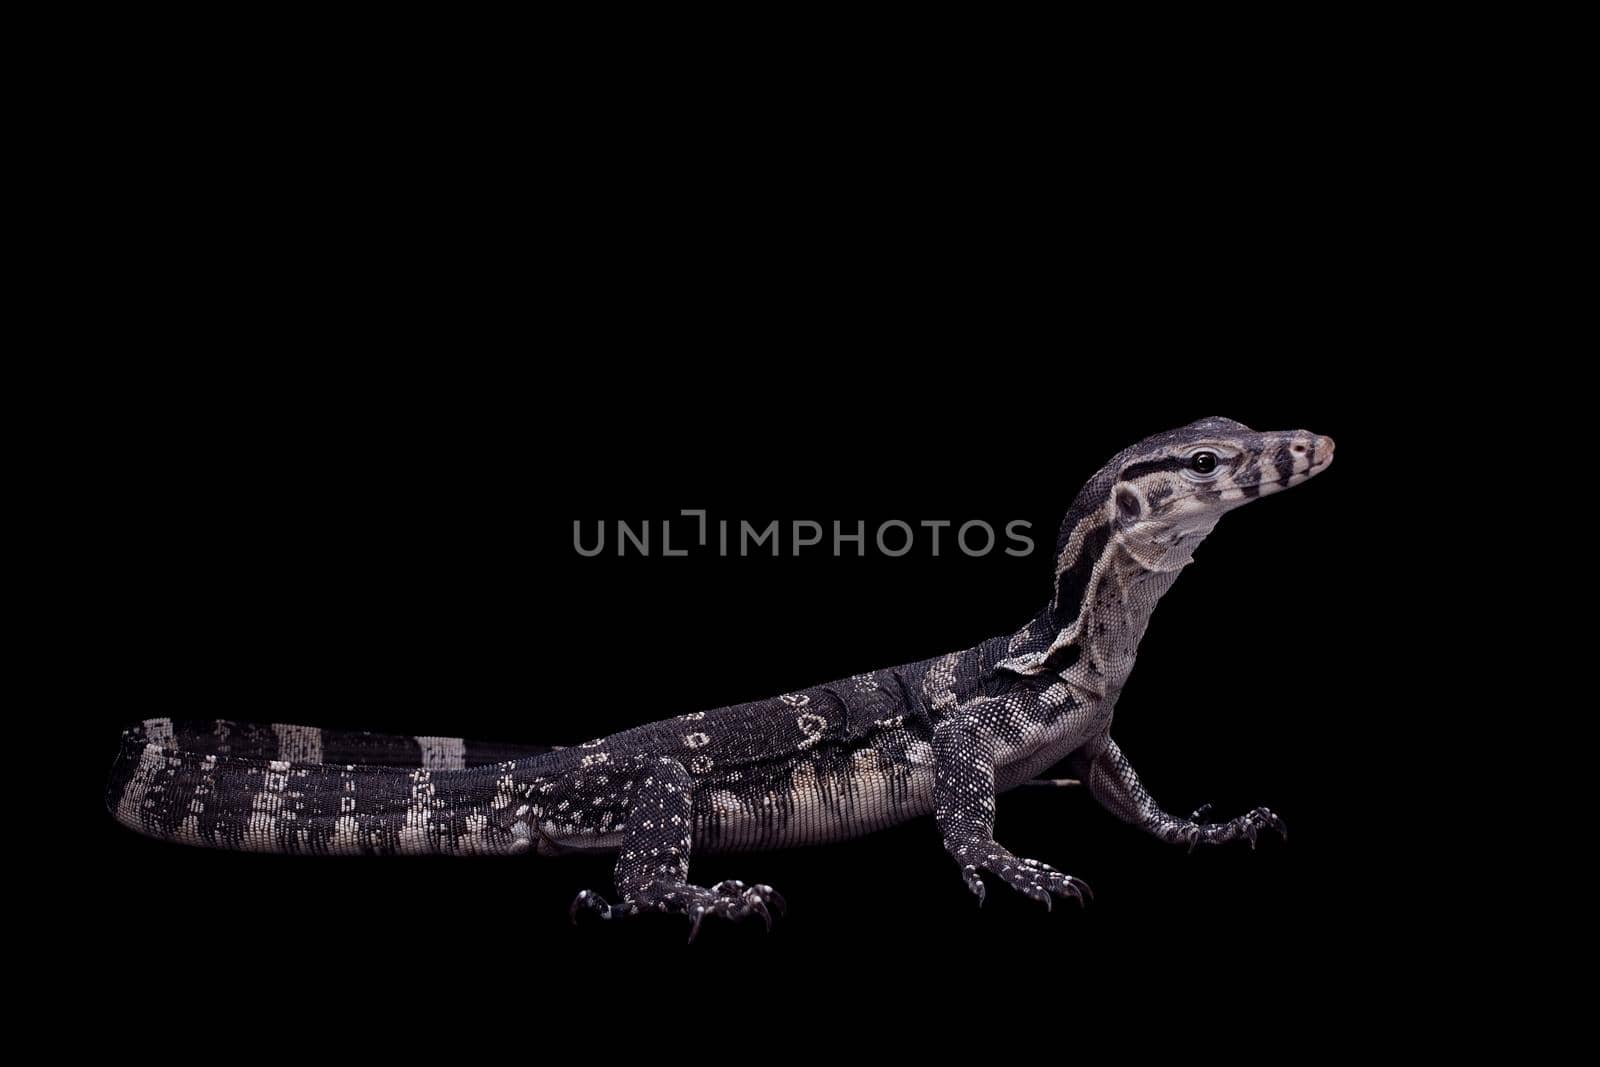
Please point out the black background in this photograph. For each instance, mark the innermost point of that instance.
(400, 558)
(405, 362)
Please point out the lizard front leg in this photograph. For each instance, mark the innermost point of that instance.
(963, 797)
(652, 869)
(1113, 782)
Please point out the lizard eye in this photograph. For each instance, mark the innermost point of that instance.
(1203, 462)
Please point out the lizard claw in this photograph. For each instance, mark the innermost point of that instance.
(1193, 833)
(759, 906)
(1259, 819)
(969, 874)
(1032, 878)
(1277, 823)
(730, 899)
(588, 900)
(696, 914)
(755, 897)
(775, 898)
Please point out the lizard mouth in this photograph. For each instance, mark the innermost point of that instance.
(1321, 453)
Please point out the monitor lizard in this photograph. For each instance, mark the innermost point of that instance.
(942, 736)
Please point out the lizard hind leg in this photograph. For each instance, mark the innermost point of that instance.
(652, 872)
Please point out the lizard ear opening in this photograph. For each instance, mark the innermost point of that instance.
(1129, 506)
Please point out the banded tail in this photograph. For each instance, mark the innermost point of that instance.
(300, 789)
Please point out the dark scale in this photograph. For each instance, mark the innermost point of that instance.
(942, 736)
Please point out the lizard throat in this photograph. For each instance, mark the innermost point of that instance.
(1094, 644)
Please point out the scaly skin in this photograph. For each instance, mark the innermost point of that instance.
(942, 736)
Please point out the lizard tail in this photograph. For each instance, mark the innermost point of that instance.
(283, 788)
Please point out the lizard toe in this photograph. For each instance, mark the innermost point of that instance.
(774, 898)
(588, 900)
(730, 899)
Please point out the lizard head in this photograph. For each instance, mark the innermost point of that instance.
(1168, 491)
(1155, 502)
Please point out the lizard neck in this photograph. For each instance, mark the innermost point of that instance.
(1116, 612)
(1108, 584)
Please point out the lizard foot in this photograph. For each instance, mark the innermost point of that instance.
(728, 900)
(1193, 831)
(1033, 879)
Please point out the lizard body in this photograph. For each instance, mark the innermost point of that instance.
(941, 736)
